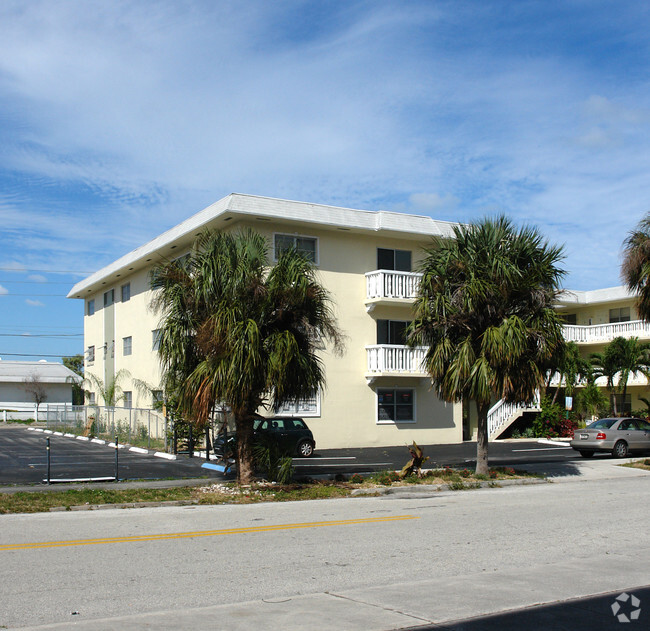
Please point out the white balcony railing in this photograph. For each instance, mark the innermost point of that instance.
(388, 358)
(606, 332)
(390, 284)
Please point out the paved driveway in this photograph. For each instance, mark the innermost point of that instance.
(23, 460)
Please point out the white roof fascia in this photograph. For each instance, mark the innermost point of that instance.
(246, 206)
(595, 296)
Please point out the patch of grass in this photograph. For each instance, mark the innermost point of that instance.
(42, 501)
(638, 464)
(230, 493)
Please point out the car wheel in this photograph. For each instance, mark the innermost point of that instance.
(586, 454)
(620, 449)
(305, 448)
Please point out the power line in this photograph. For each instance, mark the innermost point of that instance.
(51, 271)
(40, 295)
(35, 355)
(28, 335)
(35, 282)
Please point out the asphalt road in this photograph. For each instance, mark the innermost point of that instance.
(23, 459)
(358, 564)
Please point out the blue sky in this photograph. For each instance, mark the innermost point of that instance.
(120, 119)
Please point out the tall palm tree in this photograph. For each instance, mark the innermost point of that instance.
(110, 391)
(237, 332)
(605, 364)
(485, 313)
(636, 265)
(634, 358)
(571, 368)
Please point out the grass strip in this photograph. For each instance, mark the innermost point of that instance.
(230, 493)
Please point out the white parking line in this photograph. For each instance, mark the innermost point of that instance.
(544, 449)
(332, 458)
(355, 464)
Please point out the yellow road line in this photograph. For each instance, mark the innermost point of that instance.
(201, 533)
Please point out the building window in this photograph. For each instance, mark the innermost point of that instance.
(90, 354)
(126, 292)
(307, 246)
(127, 345)
(90, 307)
(156, 335)
(569, 318)
(391, 332)
(622, 407)
(157, 398)
(395, 405)
(303, 407)
(398, 260)
(109, 298)
(619, 315)
(128, 399)
(91, 398)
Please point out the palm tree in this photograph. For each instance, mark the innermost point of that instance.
(235, 332)
(485, 313)
(634, 358)
(636, 265)
(571, 368)
(111, 392)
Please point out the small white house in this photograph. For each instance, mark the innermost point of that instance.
(22, 382)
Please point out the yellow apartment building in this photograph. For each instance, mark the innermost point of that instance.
(595, 318)
(376, 393)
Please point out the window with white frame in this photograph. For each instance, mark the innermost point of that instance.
(128, 398)
(397, 260)
(619, 315)
(90, 307)
(91, 398)
(303, 407)
(395, 405)
(126, 292)
(90, 354)
(307, 246)
(156, 397)
(392, 332)
(127, 345)
(156, 336)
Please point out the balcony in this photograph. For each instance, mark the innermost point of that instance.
(600, 333)
(390, 287)
(391, 360)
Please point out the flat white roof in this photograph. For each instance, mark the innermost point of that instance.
(238, 206)
(610, 294)
(47, 372)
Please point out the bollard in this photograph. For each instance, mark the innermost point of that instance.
(116, 458)
(207, 443)
(47, 442)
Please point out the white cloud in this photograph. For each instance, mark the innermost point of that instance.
(3, 291)
(37, 278)
(34, 303)
(433, 202)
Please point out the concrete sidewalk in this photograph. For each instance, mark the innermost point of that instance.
(509, 598)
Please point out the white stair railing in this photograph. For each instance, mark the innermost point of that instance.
(502, 414)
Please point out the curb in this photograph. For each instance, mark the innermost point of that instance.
(82, 507)
(427, 489)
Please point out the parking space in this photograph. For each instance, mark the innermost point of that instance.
(23, 460)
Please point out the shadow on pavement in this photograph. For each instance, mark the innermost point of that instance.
(593, 613)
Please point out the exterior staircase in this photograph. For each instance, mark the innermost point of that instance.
(502, 415)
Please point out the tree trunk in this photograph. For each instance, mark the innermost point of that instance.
(245, 466)
(482, 467)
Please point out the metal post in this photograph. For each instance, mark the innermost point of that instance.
(175, 439)
(148, 428)
(116, 458)
(47, 443)
(190, 441)
(207, 443)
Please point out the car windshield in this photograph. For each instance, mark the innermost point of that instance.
(603, 423)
